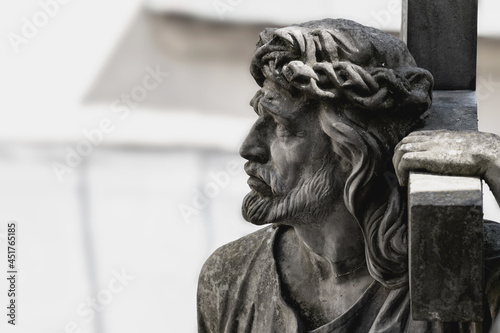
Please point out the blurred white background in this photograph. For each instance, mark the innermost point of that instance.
(155, 95)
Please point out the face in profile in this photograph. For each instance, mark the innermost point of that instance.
(290, 160)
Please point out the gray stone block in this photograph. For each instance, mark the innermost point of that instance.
(454, 110)
(446, 251)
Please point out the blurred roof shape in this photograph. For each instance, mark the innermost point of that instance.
(207, 61)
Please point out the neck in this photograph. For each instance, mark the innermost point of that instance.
(336, 242)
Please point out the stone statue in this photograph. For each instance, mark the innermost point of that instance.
(335, 100)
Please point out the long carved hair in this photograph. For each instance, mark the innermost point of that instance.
(370, 95)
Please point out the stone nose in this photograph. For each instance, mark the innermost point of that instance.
(254, 148)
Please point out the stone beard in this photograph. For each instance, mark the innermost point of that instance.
(311, 196)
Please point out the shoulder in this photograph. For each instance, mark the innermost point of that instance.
(231, 258)
(224, 274)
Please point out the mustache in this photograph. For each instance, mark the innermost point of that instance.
(266, 175)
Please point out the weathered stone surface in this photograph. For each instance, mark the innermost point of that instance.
(446, 237)
(442, 37)
(453, 110)
(335, 98)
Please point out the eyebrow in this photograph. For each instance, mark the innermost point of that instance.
(265, 99)
(254, 102)
(273, 109)
(282, 117)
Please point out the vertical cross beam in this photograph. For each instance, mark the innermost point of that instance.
(445, 213)
(442, 37)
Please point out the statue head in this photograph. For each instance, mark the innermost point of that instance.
(335, 99)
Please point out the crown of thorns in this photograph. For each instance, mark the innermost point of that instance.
(333, 59)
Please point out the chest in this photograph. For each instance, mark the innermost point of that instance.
(317, 300)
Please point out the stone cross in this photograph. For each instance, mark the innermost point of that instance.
(445, 213)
